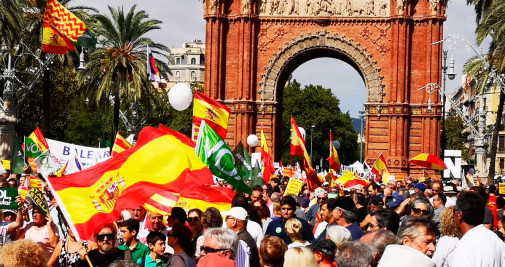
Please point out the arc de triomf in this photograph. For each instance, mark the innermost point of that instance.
(252, 46)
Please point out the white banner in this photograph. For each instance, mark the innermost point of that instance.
(62, 152)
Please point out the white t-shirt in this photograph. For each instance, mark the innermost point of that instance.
(445, 246)
(255, 231)
(478, 247)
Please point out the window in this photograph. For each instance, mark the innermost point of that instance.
(502, 164)
(178, 61)
(193, 61)
(501, 143)
(193, 75)
(178, 74)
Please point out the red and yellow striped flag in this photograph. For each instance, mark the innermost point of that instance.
(266, 158)
(298, 145)
(333, 159)
(162, 160)
(120, 144)
(54, 42)
(215, 114)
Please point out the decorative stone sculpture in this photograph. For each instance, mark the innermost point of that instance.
(434, 7)
(400, 5)
(246, 6)
(346, 8)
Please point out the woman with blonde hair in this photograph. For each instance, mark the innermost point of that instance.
(294, 231)
(22, 253)
(450, 236)
(272, 251)
(299, 257)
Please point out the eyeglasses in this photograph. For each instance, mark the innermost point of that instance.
(101, 237)
(208, 250)
(419, 211)
(193, 219)
(322, 198)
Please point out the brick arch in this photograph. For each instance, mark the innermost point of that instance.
(361, 60)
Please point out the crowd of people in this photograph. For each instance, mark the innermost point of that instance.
(401, 223)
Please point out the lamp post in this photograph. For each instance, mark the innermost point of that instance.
(451, 75)
(311, 133)
(362, 118)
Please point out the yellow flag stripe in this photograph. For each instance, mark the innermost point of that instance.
(142, 166)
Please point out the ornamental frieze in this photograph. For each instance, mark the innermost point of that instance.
(311, 8)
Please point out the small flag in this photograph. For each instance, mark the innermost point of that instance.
(120, 144)
(243, 162)
(298, 145)
(74, 165)
(215, 114)
(23, 189)
(18, 161)
(268, 166)
(61, 172)
(36, 144)
(380, 169)
(333, 159)
(256, 177)
(152, 70)
(213, 151)
(46, 164)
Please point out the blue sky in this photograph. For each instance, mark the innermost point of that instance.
(183, 21)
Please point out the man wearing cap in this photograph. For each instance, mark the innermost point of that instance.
(322, 196)
(450, 190)
(419, 188)
(277, 227)
(236, 220)
(324, 252)
(478, 246)
(375, 203)
(344, 215)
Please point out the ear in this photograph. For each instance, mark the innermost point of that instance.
(133, 232)
(405, 240)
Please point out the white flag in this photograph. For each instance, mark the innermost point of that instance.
(46, 164)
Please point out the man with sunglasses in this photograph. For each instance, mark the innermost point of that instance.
(219, 247)
(106, 253)
(322, 196)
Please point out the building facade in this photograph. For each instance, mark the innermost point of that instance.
(188, 63)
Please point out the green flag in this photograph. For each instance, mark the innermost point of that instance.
(18, 161)
(31, 148)
(257, 176)
(8, 198)
(243, 162)
(216, 154)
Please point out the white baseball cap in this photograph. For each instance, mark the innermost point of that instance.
(237, 213)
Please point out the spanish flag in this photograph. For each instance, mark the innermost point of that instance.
(268, 166)
(380, 169)
(201, 197)
(215, 114)
(298, 145)
(120, 144)
(162, 160)
(62, 29)
(333, 159)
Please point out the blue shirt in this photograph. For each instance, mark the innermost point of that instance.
(355, 230)
(276, 228)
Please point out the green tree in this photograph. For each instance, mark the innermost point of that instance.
(456, 139)
(117, 68)
(315, 105)
(10, 17)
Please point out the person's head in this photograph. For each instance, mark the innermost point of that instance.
(373, 189)
(299, 257)
(106, 238)
(262, 208)
(344, 210)
(236, 218)
(23, 252)
(195, 218)
(338, 234)
(212, 218)
(384, 219)
(177, 215)
(324, 251)
(359, 199)
(288, 207)
(156, 242)
(448, 224)
(12, 182)
(501, 225)
(156, 221)
(129, 229)
(257, 193)
(180, 235)
(379, 240)
(9, 215)
(419, 233)
(327, 210)
(439, 200)
(38, 217)
(376, 202)
(421, 207)
(240, 200)
(404, 192)
(470, 209)
(272, 251)
(355, 254)
(322, 196)
(437, 187)
(218, 240)
(294, 229)
(139, 213)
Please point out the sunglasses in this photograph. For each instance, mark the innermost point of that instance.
(322, 198)
(102, 237)
(419, 211)
(193, 219)
(208, 250)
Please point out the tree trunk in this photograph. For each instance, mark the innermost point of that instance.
(494, 139)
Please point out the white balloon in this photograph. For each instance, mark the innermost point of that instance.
(302, 132)
(180, 96)
(252, 140)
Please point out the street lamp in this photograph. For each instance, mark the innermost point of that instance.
(311, 133)
(451, 75)
(362, 118)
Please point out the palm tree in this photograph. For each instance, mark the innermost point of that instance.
(117, 68)
(10, 17)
